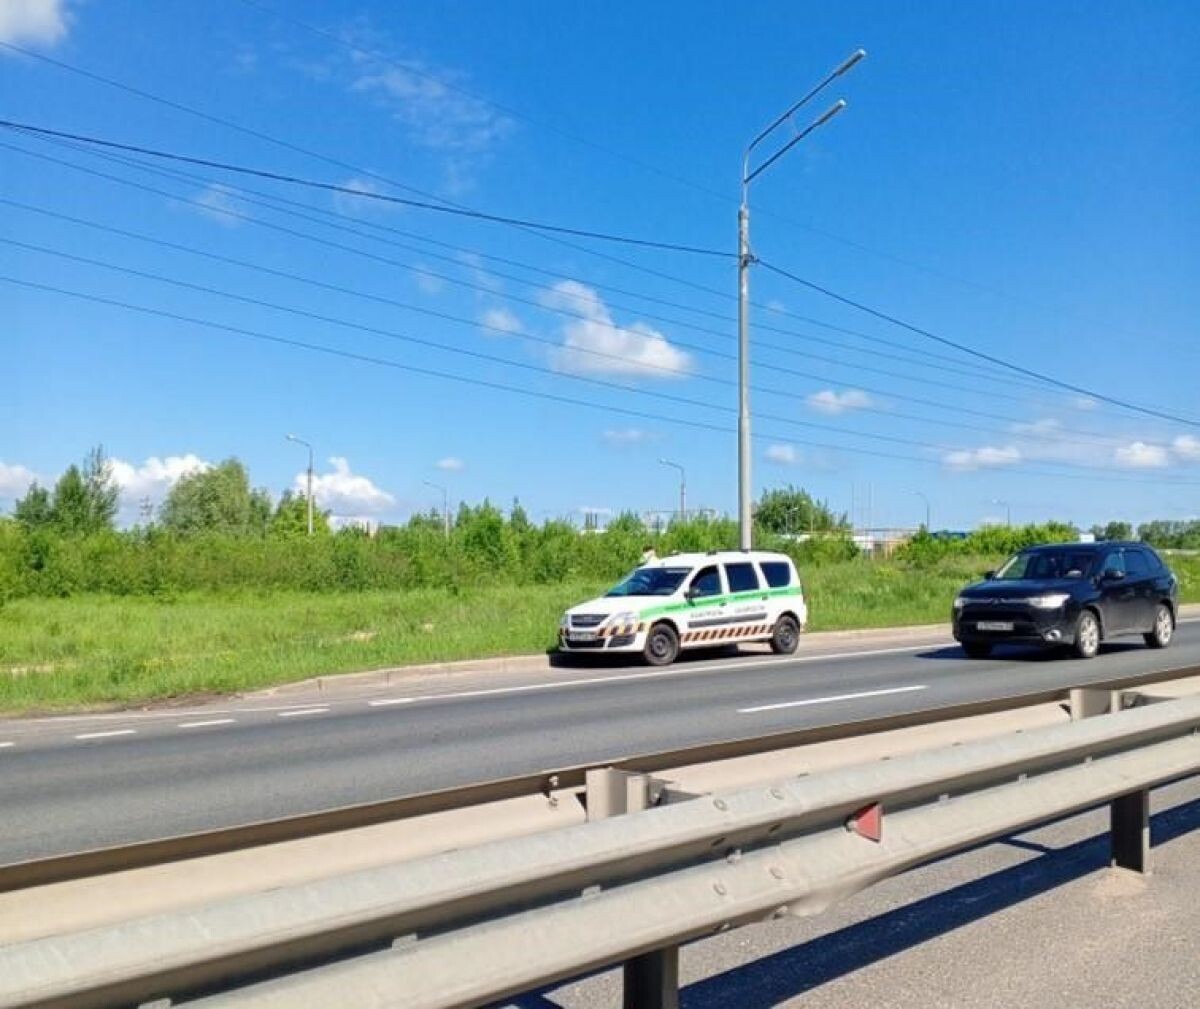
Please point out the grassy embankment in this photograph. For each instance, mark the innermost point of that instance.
(102, 650)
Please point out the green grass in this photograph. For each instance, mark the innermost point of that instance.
(122, 650)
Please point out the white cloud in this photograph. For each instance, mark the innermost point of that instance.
(1047, 427)
(153, 478)
(985, 457)
(500, 320)
(1187, 447)
(623, 437)
(1141, 455)
(428, 102)
(359, 206)
(783, 455)
(1085, 403)
(427, 282)
(217, 203)
(345, 493)
(41, 22)
(15, 480)
(479, 273)
(451, 464)
(595, 344)
(832, 402)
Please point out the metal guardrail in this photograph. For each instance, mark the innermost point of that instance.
(59, 868)
(470, 926)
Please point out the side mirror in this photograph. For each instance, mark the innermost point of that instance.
(1112, 575)
(690, 593)
(989, 575)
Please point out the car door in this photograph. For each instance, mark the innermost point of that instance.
(1118, 605)
(748, 598)
(706, 604)
(1140, 578)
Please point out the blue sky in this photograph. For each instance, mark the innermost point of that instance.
(1019, 177)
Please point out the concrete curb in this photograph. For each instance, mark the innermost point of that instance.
(812, 642)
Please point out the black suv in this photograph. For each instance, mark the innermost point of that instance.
(1072, 594)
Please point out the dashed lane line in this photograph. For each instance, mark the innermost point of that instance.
(305, 711)
(105, 735)
(384, 701)
(832, 699)
(206, 723)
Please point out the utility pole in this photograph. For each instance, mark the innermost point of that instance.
(921, 495)
(682, 487)
(445, 506)
(745, 259)
(301, 441)
(1007, 510)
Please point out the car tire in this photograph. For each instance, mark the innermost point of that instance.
(785, 638)
(1087, 636)
(977, 649)
(1164, 627)
(662, 645)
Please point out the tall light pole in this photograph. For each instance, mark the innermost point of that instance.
(445, 506)
(1007, 510)
(682, 487)
(745, 258)
(921, 495)
(301, 441)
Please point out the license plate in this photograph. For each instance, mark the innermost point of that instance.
(581, 635)
(995, 625)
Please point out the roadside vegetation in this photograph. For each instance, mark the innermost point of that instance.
(225, 592)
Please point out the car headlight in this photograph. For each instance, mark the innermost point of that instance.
(628, 617)
(1052, 601)
(565, 620)
(960, 602)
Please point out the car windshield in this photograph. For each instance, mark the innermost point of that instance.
(651, 581)
(1042, 565)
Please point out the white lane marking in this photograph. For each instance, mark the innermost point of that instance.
(832, 699)
(306, 711)
(205, 723)
(7, 743)
(141, 716)
(390, 700)
(684, 669)
(105, 735)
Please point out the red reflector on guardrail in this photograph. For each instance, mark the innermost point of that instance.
(867, 822)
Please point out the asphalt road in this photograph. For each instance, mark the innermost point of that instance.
(69, 784)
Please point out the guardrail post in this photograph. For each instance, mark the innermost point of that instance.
(651, 980)
(1129, 815)
(1130, 819)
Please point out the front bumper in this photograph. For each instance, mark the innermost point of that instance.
(607, 640)
(1018, 624)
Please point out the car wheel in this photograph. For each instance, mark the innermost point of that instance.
(1087, 636)
(1164, 628)
(786, 636)
(977, 649)
(662, 645)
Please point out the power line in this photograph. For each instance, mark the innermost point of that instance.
(477, 323)
(946, 341)
(272, 200)
(332, 187)
(888, 393)
(485, 383)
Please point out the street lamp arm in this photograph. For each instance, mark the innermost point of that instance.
(832, 111)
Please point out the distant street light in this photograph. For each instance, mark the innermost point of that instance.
(745, 258)
(445, 506)
(301, 441)
(682, 487)
(921, 495)
(1007, 510)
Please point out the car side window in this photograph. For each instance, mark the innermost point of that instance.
(1136, 564)
(707, 582)
(742, 577)
(777, 573)
(1114, 562)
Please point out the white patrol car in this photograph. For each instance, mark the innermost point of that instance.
(692, 601)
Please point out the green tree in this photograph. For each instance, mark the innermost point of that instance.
(218, 499)
(35, 509)
(290, 519)
(85, 499)
(518, 518)
(793, 510)
(1113, 531)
